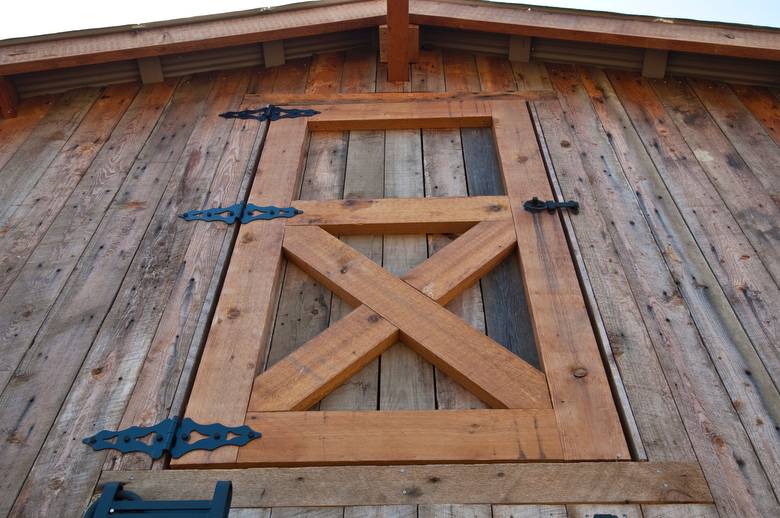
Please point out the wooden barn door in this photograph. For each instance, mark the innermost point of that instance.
(564, 411)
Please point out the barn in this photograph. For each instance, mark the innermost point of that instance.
(406, 258)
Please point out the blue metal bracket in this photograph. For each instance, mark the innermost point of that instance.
(172, 435)
(115, 501)
(241, 212)
(270, 112)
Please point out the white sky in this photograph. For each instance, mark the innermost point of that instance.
(34, 17)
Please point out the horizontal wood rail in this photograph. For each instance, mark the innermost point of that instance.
(432, 437)
(401, 216)
(531, 483)
(306, 375)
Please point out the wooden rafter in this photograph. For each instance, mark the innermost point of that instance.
(326, 361)
(481, 365)
(215, 32)
(397, 40)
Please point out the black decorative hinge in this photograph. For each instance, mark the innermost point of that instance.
(537, 205)
(172, 435)
(270, 112)
(241, 212)
(116, 501)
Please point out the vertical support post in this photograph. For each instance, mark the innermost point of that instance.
(9, 100)
(398, 32)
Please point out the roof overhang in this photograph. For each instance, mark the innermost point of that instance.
(91, 47)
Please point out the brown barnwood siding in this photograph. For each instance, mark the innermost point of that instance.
(105, 295)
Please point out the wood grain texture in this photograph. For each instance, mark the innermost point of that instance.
(426, 74)
(580, 26)
(29, 219)
(13, 132)
(498, 377)
(176, 340)
(333, 437)
(305, 375)
(398, 40)
(734, 329)
(407, 215)
(691, 376)
(205, 34)
(746, 134)
(764, 106)
(539, 483)
(587, 416)
(742, 192)
(20, 174)
(98, 357)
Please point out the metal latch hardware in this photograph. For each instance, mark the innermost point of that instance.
(537, 205)
(241, 212)
(173, 435)
(116, 501)
(270, 112)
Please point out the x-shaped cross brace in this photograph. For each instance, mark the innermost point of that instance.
(389, 309)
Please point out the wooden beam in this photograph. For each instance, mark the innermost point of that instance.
(431, 437)
(151, 70)
(654, 63)
(398, 44)
(204, 33)
(511, 483)
(632, 31)
(401, 215)
(587, 417)
(520, 48)
(413, 43)
(479, 364)
(394, 97)
(273, 53)
(322, 364)
(9, 100)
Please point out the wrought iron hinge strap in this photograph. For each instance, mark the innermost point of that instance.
(172, 435)
(270, 112)
(244, 213)
(537, 205)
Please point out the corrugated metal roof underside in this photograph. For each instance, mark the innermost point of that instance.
(542, 49)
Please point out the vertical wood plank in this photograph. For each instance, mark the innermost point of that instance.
(13, 132)
(764, 105)
(24, 169)
(587, 418)
(529, 511)
(591, 510)
(28, 221)
(454, 511)
(700, 399)
(107, 296)
(746, 134)
(240, 329)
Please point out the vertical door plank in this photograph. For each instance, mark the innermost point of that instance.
(238, 338)
(363, 178)
(529, 511)
(587, 417)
